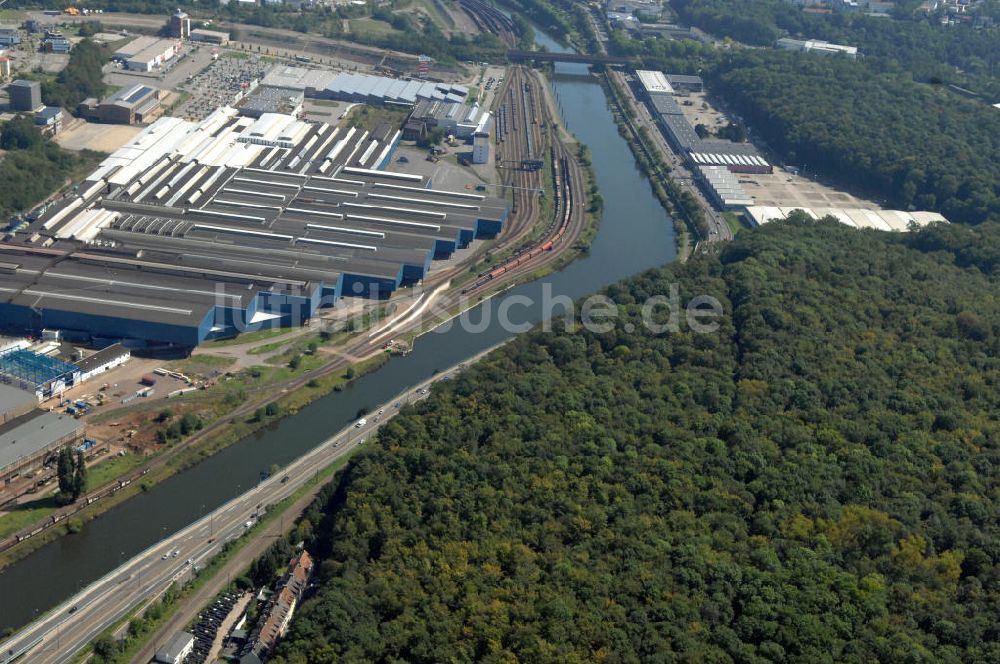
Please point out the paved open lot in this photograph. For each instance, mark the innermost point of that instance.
(782, 189)
(100, 137)
(444, 173)
(324, 111)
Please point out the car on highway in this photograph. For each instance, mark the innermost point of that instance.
(72, 610)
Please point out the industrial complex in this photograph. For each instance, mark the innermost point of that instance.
(362, 88)
(29, 435)
(194, 231)
(659, 94)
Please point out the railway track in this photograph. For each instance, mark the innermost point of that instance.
(523, 105)
(490, 19)
(567, 187)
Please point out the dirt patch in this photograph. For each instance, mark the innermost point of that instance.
(98, 137)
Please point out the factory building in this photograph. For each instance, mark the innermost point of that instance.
(180, 25)
(312, 82)
(362, 88)
(210, 37)
(817, 46)
(138, 104)
(9, 36)
(266, 99)
(682, 137)
(42, 375)
(194, 231)
(722, 187)
(481, 148)
(683, 83)
(106, 359)
(883, 220)
(146, 53)
(25, 95)
(737, 157)
(26, 442)
(368, 89)
(458, 120)
(50, 117)
(15, 402)
(55, 42)
(29, 436)
(654, 83)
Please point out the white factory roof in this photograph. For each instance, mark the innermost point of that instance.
(883, 220)
(393, 89)
(725, 185)
(274, 129)
(168, 135)
(298, 78)
(816, 45)
(145, 48)
(655, 82)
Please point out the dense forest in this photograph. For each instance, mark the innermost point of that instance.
(33, 167)
(963, 54)
(815, 481)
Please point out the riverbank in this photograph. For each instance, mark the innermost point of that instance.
(667, 191)
(633, 234)
(195, 451)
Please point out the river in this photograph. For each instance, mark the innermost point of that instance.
(635, 234)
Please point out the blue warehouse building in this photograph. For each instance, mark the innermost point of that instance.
(172, 245)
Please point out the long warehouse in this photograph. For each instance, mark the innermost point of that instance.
(195, 231)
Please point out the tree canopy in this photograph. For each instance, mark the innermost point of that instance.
(912, 143)
(34, 167)
(814, 482)
(82, 77)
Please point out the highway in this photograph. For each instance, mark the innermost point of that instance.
(56, 637)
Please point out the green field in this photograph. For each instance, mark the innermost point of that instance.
(249, 337)
(369, 26)
(734, 222)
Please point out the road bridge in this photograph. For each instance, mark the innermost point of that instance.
(546, 56)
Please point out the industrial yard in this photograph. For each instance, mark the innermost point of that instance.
(237, 216)
(737, 176)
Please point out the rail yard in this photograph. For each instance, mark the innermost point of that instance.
(526, 133)
(318, 193)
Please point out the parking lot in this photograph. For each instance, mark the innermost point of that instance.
(219, 84)
(218, 617)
